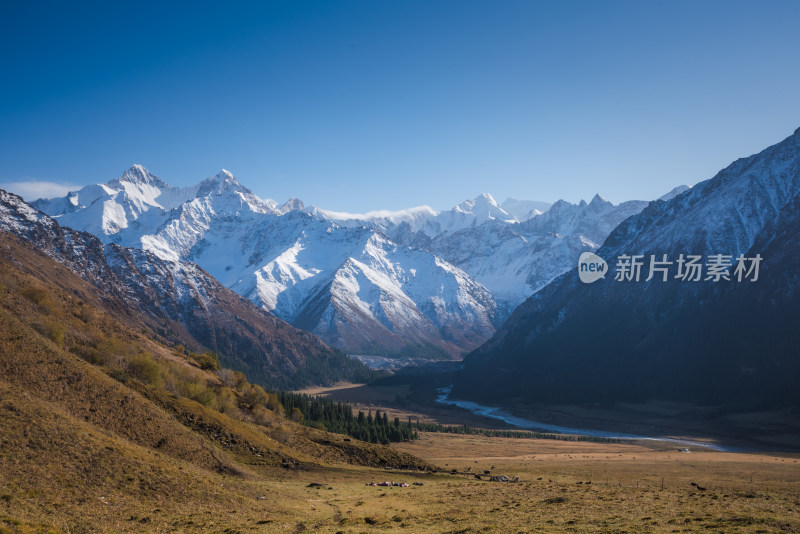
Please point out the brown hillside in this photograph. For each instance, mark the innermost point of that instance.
(103, 424)
(177, 301)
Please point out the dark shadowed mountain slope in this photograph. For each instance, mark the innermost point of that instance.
(178, 301)
(706, 342)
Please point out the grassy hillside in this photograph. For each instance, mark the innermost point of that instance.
(176, 302)
(102, 423)
(105, 429)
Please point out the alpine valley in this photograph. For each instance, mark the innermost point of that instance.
(416, 282)
(594, 349)
(716, 341)
(137, 331)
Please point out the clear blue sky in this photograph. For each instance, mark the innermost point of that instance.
(386, 104)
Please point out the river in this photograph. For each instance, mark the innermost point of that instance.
(527, 424)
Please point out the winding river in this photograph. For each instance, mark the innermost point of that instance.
(527, 424)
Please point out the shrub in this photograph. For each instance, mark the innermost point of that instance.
(88, 354)
(281, 435)
(177, 376)
(226, 403)
(86, 313)
(39, 297)
(255, 396)
(206, 361)
(263, 417)
(145, 369)
(120, 375)
(52, 331)
(297, 415)
(233, 379)
(275, 405)
(87, 342)
(113, 348)
(56, 333)
(200, 393)
(273, 402)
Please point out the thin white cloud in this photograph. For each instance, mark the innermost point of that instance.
(35, 189)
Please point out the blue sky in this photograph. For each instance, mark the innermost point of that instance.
(384, 105)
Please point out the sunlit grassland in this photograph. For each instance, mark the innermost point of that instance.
(564, 487)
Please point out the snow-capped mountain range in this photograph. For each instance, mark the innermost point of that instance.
(711, 340)
(416, 282)
(176, 301)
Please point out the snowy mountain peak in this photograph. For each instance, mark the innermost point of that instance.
(483, 208)
(652, 333)
(293, 204)
(721, 215)
(560, 204)
(598, 200)
(675, 192)
(414, 280)
(138, 175)
(227, 176)
(222, 182)
(488, 198)
(484, 202)
(223, 178)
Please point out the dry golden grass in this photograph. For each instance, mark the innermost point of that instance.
(625, 495)
(67, 474)
(82, 452)
(103, 428)
(634, 487)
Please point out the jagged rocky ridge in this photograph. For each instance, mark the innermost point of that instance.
(706, 342)
(416, 282)
(179, 301)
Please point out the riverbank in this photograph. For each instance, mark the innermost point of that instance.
(539, 426)
(776, 430)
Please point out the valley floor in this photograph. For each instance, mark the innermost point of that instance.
(751, 431)
(62, 473)
(563, 487)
